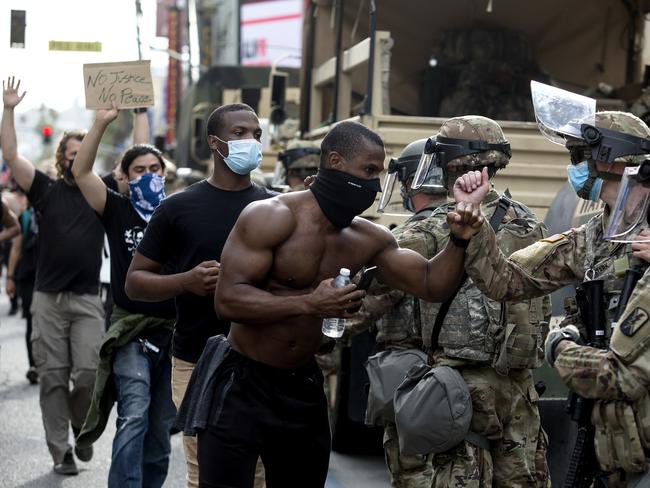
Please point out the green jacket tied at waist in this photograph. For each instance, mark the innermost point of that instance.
(125, 327)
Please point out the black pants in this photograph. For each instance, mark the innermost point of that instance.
(25, 288)
(278, 415)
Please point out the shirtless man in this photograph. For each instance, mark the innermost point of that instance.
(275, 287)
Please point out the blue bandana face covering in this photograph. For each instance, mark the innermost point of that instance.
(147, 192)
(244, 155)
(578, 176)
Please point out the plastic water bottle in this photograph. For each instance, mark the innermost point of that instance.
(334, 327)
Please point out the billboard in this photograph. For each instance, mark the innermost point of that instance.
(271, 32)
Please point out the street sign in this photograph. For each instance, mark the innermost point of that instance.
(75, 46)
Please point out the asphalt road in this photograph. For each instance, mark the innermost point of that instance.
(24, 458)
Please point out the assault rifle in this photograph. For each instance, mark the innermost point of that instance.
(583, 467)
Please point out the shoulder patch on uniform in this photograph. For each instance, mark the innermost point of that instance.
(633, 322)
(555, 238)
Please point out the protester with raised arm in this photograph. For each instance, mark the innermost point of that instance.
(67, 310)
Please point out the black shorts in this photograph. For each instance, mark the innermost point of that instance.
(260, 411)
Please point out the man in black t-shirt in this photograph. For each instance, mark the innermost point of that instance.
(189, 230)
(67, 312)
(135, 353)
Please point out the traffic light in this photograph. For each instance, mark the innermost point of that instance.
(46, 132)
(17, 36)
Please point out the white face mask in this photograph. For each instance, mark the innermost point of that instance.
(244, 155)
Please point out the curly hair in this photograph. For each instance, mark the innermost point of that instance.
(59, 157)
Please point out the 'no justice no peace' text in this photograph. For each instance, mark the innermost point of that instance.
(112, 86)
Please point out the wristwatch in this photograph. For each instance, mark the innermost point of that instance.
(139, 110)
(458, 242)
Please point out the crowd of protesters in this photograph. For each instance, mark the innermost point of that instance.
(54, 265)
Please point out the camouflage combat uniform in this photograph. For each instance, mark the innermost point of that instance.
(398, 327)
(620, 380)
(494, 345)
(498, 377)
(569, 258)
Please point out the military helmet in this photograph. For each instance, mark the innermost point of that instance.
(403, 169)
(301, 154)
(408, 160)
(475, 128)
(618, 122)
(299, 160)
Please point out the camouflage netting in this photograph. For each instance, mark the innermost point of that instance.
(489, 70)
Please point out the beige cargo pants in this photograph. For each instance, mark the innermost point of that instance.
(66, 335)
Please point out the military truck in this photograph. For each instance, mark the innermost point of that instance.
(402, 68)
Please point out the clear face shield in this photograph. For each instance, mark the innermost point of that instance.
(279, 180)
(560, 113)
(630, 213)
(395, 193)
(428, 165)
(441, 150)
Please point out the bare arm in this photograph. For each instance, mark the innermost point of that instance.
(433, 280)
(92, 187)
(10, 224)
(140, 128)
(14, 255)
(145, 283)
(21, 169)
(247, 259)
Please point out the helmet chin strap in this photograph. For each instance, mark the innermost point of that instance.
(607, 176)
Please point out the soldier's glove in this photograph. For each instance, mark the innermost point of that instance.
(555, 336)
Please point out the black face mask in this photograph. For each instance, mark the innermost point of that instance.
(342, 196)
(67, 173)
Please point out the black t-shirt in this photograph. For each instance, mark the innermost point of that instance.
(186, 229)
(70, 240)
(124, 230)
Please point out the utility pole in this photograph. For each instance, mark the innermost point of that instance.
(138, 17)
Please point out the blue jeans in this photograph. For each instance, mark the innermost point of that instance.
(146, 413)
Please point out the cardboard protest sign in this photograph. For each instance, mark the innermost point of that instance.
(128, 84)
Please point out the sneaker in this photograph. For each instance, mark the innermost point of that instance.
(67, 466)
(32, 375)
(84, 454)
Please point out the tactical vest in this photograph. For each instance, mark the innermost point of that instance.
(483, 332)
(401, 324)
(606, 261)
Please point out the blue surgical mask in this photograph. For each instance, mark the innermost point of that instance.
(578, 177)
(147, 192)
(244, 155)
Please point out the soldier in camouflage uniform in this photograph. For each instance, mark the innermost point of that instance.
(299, 161)
(620, 377)
(399, 328)
(493, 344)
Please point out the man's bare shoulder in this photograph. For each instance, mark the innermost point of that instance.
(268, 221)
